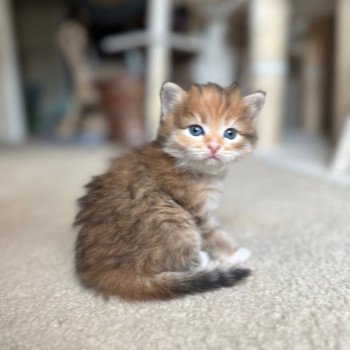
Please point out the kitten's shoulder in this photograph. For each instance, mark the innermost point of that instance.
(149, 158)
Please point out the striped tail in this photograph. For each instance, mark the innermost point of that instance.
(166, 285)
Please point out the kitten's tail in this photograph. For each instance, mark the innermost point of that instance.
(180, 284)
(168, 285)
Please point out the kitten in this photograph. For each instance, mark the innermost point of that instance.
(147, 225)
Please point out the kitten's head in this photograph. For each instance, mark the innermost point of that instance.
(208, 127)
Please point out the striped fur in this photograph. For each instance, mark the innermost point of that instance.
(144, 223)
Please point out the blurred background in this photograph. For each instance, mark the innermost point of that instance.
(80, 81)
(88, 72)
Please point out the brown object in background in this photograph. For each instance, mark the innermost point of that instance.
(73, 43)
(122, 99)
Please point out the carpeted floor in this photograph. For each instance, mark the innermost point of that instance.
(298, 228)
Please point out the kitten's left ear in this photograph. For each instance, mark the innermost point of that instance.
(170, 95)
(255, 102)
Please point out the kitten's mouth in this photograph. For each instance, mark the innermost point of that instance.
(212, 160)
(212, 157)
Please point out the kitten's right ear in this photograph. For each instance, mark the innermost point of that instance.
(255, 102)
(170, 95)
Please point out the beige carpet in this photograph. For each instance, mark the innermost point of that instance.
(298, 297)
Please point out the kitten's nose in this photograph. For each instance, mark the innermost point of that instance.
(214, 147)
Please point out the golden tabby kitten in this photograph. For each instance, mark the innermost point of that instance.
(147, 225)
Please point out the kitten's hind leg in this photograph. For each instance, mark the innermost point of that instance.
(216, 242)
(219, 246)
(240, 256)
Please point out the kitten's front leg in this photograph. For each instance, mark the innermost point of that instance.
(216, 242)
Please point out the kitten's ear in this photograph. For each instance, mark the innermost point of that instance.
(233, 87)
(170, 95)
(255, 102)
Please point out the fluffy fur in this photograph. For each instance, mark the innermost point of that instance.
(147, 226)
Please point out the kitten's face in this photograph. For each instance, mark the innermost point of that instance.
(207, 127)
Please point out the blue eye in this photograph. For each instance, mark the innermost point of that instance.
(196, 130)
(230, 133)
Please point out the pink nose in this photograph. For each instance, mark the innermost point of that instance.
(214, 147)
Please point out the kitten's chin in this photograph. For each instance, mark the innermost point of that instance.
(212, 166)
(207, 166)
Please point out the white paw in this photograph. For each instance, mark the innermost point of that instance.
(240, 256)
(204, 260)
